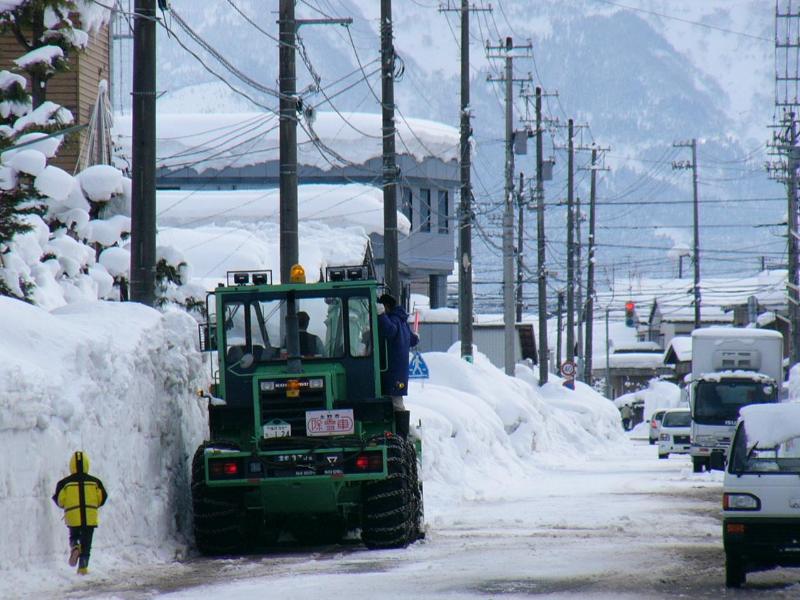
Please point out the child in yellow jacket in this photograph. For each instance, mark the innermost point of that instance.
(80, 495)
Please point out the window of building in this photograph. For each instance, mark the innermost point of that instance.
(443, 211)
(408, 205)
(424, 210)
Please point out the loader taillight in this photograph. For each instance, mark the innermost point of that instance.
(224, 469)
(370, 461)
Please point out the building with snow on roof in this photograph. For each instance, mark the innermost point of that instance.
(240, 151)
(665, 307)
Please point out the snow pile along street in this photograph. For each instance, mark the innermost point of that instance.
(116, 380)
(481, 429)
(113, 379)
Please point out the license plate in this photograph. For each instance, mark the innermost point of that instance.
(276, 429)
(330, 422)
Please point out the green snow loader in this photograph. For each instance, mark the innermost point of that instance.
(301, 437)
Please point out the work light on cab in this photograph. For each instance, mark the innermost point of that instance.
(297, 274)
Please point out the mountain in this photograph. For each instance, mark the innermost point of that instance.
(641, 74)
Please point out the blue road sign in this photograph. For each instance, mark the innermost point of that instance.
(417, 369)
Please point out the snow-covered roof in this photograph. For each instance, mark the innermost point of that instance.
(675, 296)
(343, 205)
(636, 360)
(637, 346)
(771, 424)
(766, 318)
(681, 346)
(204, 141)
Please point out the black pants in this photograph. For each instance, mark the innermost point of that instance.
(82, 536)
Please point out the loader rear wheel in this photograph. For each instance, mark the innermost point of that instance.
(219, 517)
(388, 517)
(417, 508)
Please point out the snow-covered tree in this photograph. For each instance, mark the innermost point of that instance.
(47, 35)
(44, 215)
(173, 283)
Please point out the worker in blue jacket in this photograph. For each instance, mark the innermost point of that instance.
(397, 337)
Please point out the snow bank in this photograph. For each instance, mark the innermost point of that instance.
(116, 380)
(657, 394)
(481, 428)
(771, 424)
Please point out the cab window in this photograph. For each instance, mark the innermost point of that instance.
(359, 326)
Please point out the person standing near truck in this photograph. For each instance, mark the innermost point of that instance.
(397, 337)
(80, 495)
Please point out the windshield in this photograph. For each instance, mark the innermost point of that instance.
(677, 419)
(783, 458)
(718, 402)
(258, 327)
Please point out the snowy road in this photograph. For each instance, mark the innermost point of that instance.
(622, 526)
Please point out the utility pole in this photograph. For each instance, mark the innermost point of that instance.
(579, 289)
(696, 227)
(589, 345)
(143, 188)
(465, 296)
(571, 280)
(570, 244)
(390, 244)
(540, 244)
(508, 213)
(520, 232)
(559, 324)
(790, 150)
(608, 361)
(287, 80)
(508, 218)
(787, 86)
(288, 105)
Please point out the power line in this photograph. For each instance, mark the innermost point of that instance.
(688, 21)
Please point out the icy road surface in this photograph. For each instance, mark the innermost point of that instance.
(625, 525)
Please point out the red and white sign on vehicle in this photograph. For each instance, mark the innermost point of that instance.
(330, 422)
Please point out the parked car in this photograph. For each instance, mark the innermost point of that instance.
(655, 424)
(760, 496)
(674, 436)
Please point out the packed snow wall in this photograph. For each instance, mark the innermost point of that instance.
(118, 381)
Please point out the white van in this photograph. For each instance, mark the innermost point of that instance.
(673, 436)
(761, 492)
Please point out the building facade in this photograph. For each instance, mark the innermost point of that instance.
(75, 89)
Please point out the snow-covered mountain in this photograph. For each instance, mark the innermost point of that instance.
(642, 74)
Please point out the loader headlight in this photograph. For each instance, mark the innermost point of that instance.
(267, 386)
(316, 383)
(740, 502)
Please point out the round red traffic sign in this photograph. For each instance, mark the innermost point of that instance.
(568, 369)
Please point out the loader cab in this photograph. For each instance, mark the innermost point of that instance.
(339, 331)
(336, 329)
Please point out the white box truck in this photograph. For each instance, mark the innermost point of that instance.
(731, 368)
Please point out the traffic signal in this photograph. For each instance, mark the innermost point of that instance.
(630, 311)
